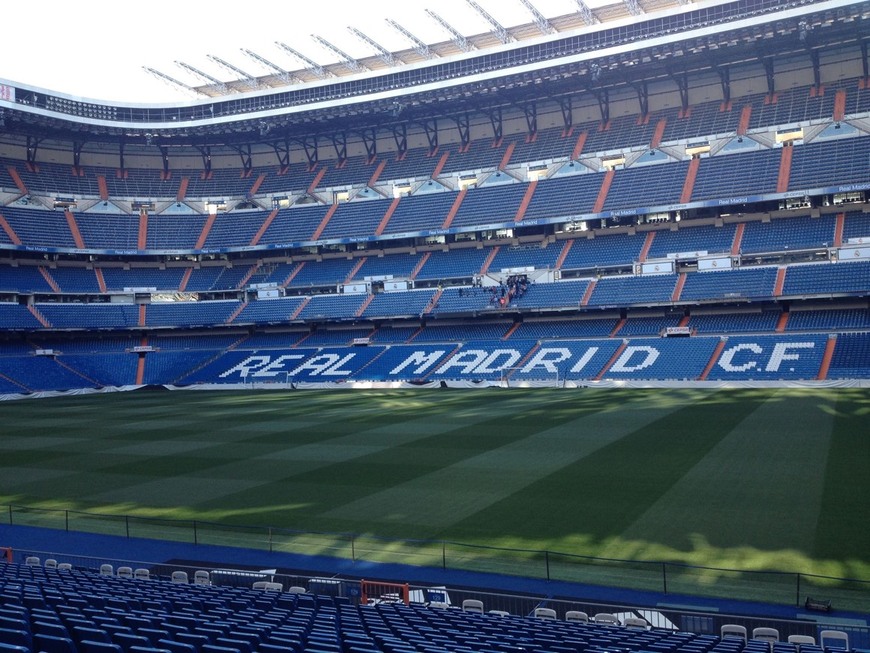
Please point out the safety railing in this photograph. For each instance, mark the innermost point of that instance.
(778, 587)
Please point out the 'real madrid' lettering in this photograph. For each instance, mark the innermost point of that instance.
(262, 366)
(325, 365)
(498, 360)
(465, 361)
(780, 354)
(421, 362)
(726, 360)
(479, 361)
(648, 356)
(546, 359)
(766, 355)
(782, 351)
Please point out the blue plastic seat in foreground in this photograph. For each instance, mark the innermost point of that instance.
(12, 648)
(54, 644)
(175, 647)
(128, 640)
(15, 637)
(90, 646)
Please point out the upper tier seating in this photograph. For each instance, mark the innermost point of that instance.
(230, 229)
(420, 212)
(708, 239)
(856, 225)
(39, 227)
(739, 283)
(616, 291)
(187, 314)
(15, 316)
(704, 120)
(824, 164)
(410, 303)
(729, 285)
(490, 204)
(455, 264)
(824, 319)
(576, 328)
(524, 256)
(788, 234)
(646, 185)
(264, 311)
(295, 224)
(848, 277)
(755, 322)
(355, 219)
(737, 175)
(727, 176)
(603, 251)
(26, 279)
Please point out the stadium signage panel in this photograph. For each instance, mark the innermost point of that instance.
(573, 359)
(853, 253)
(717, 263)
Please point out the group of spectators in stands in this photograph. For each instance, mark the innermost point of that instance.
(513, 288)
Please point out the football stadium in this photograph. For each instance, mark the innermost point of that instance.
(553, 337)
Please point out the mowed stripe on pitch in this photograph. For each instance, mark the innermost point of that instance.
(303, 474)
(210, 474)
(598, 496)
(140, 461)
(319, 479)
(747, 489)
(462, 489)
(841, 530)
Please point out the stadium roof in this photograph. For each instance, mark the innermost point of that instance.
(583, 15)
(668, 42)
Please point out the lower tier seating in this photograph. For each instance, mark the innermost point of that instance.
(567, 349)
(71, 610)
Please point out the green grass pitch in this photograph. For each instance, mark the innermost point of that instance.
(748, 479)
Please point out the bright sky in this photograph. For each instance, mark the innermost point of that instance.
(96, 48)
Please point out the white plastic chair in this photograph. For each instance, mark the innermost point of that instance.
(499, 613)
(64, 566)
(107, 570)
(142, 574)
(576, 615)
(51, 563)
(801, 639)
(545, 613)
(201, 577)
(125, 572)
(32, 561)
(295, 589)
(635, 623)
(765, 634)
(179, 577)
(267, 586)
(472, 605)
(733, 630)
(606, 618)
(833, 639)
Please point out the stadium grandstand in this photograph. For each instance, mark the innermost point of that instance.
(650, 193)
(699, 173)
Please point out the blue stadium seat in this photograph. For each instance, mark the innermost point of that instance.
(54, 644)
